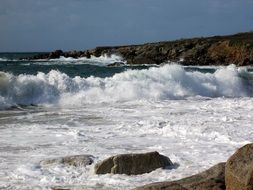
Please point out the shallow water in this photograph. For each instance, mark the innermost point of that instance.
(195, 116)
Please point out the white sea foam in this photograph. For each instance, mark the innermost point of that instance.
(195, 134)
(196, 119)
(3, 59)
(163, 83)
(103, 60)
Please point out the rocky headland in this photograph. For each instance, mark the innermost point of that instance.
(216, 50)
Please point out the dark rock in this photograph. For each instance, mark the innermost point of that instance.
(239, 169)
(56, 54)
(211, 179)
(132, 164)
(127, 52)
(116, 64)
(82, 187)
(61, 188)
(87, 54)
(216, 50)
(139, 60)
(77, 160)
(98, 51)
(39, 56)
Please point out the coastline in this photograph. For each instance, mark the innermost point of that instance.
(212, 126)
(204, 51)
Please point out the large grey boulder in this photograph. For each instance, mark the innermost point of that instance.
(211, 179)
(132, 164)
(239, 169)
(76, 160)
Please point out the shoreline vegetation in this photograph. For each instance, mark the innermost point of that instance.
(216, 50)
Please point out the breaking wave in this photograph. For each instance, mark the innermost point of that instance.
(3, 59)
(103, 60)
(162, 83)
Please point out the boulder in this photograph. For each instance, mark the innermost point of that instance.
(76, 160)
(132, 164)
(211, 179)
(55, 54)
(73, 54)
(86, 54)
(239, 169)
(99, 51)
(116, 64)
(82, 187)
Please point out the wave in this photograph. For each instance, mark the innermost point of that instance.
(156, 83)
(4, 59)
(103, 60)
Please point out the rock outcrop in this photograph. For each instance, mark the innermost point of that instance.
(211, 179)
(217, 50)
(132, 164)
(239, 169)
(77, 160)
(56, 54)
(235, 174)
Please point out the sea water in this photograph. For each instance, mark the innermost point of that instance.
(197, 116)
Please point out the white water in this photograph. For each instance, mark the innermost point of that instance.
(3, 59)
(195, 134)
(195, 119)
(164, 83)
(103, 60)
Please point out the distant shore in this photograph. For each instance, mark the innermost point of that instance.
(217, 50)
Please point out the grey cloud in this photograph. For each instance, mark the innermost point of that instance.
(41, 25)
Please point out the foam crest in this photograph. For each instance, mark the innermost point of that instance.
(102, 60)
(3, 59)
(163, 83)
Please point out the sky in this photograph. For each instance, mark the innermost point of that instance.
(47, 25)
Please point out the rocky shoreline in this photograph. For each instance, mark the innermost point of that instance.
(235, 174)
(217, 50)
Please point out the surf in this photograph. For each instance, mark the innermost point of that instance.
(156, 83)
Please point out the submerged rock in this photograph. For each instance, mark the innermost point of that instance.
(116, 64)
(132, 164)
(77, 160)
(211, 179)
(239, 169)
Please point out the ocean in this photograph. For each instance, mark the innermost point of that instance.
(197, 116)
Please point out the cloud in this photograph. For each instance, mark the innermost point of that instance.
(78, 24)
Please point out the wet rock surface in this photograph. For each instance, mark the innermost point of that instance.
(211, 179)
(132, 164)
(235, 174)
(76, 160)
